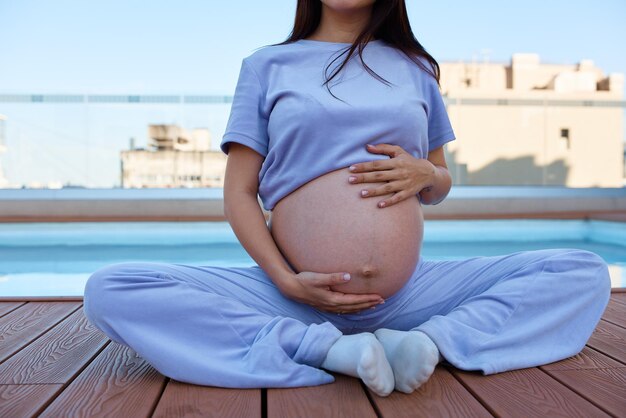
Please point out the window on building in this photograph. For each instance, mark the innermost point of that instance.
(565, 136)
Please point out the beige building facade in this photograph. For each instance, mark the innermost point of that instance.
(528, 123)
(174, 158)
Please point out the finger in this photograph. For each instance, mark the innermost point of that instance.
(372, 166)
(356, 308)
(338, 298)
(387, 149)
(398, 197)
(373, 177)
(387, 188)
(331, 279)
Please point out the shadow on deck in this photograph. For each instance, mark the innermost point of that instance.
(54, 363)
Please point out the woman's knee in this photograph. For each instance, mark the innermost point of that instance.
(592, 261)
(104, 285)
(590, 268)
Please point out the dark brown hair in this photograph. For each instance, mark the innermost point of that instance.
(389, 22)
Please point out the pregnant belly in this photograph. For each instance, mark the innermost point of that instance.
(325, 226)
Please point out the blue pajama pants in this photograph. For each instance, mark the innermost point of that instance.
(231, 327)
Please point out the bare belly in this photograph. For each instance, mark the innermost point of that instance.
(325, 226)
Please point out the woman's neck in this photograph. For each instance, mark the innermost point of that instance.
(341, 25)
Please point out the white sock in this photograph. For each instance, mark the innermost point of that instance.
(412, 355)
(362, 355)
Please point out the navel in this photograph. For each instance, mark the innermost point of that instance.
(368, 271)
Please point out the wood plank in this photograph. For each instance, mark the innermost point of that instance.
(23, 325)
(6, 307)
(41, 299)
(56, 356)
(619, 297)
(586, 359)
(609, 339)
(61, 217)
(615, 313)
(117, 383)
(25, 400)
(343, 398)
(189, 401)
(526, 393)
(441, 396)
(432, 213)
(606, 388)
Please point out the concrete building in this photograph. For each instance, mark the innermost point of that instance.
(528, 123)
(174, 158)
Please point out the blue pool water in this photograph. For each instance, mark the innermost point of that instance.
(55, 259)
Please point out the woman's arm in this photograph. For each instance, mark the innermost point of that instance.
(441, 182)
(241, 208)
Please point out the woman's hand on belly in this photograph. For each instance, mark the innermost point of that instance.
(326, 227)
(314, 289)
(403, 174)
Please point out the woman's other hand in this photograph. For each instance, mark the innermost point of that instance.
(402, 174)
(314, 289)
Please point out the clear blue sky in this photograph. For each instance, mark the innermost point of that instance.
(196, 47)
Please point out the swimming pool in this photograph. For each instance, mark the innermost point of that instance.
(55, 259)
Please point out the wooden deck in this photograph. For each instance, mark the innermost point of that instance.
(53, 363)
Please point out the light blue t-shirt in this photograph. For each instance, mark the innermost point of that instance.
(281, 110)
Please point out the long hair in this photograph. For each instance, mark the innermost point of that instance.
(389, 22)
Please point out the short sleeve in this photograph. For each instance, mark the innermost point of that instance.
(247, 124)
(439, 127)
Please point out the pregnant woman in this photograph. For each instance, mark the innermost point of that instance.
(340, 131)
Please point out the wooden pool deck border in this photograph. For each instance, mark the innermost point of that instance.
(429, 214)
(54, 363)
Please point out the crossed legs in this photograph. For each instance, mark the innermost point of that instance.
(231, 327)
